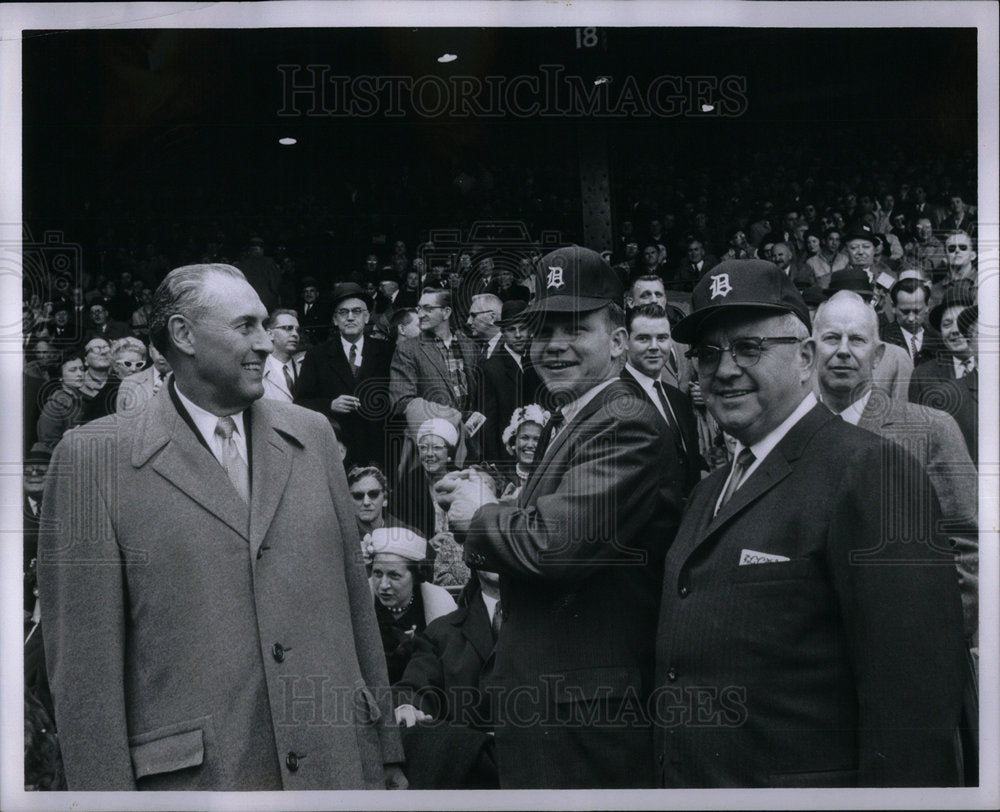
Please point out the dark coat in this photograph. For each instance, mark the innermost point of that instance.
(842, 665)
(892, 333)
(934, 384)
(502, 387)
(325, 374)
(580, 560)
(314, 325)
(688, 454)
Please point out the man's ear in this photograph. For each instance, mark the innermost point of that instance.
(807, 358)
(179, 331)
(619, 341)
(879, 353)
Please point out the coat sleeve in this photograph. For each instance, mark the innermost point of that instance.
(422, 683)
(83, 604)
(619, 477)
(898, 598)
(403, 378)
(367, 640)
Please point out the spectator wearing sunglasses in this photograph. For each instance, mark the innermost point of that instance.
(960, 256)
(129, 357)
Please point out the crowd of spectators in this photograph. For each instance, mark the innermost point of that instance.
(416, 351)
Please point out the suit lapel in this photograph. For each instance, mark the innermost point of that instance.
(272, 465)
(433, 355)
(338, 363)
(476, 628)
(186, 463)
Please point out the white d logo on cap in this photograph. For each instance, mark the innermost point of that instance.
(720, 285)
(555, 278)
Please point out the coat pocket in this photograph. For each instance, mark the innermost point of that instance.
(169, 748)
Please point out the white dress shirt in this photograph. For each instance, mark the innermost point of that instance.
(206, 422)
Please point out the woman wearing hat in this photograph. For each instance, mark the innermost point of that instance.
(404, 601)
(520, 438)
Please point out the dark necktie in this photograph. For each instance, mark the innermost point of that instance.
(352, 359)
(543, 442)
(743, 461)
(289, 379)
(668, 414)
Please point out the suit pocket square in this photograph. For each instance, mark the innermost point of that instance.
(749, 557)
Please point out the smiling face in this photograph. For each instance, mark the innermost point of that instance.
(434, 454)
(225, 347)
(861, 252)
(750, 403)
(526, 442)
(953, 339)
(433, 316)
(648, 345)
(393, 580)
(574, 352)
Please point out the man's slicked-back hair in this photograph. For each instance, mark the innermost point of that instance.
(441, 296)
(279, 311)
(650, 310)
(183, 292)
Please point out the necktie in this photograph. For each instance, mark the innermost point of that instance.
(913, 346)
(236, 468)
(968, 365)
(743, 461)
(352, 359)
(543, 442)
(497, 621)
(289, 378)
(669, 415)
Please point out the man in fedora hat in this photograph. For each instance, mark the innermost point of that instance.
(347, 377)
(580, 553)
(806, 603)
(507, 381)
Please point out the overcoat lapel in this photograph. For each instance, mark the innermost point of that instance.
(272, 465)
(186, 463)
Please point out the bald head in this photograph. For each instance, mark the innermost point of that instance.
(847, 349)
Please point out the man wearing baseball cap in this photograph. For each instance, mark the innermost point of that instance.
(580, 554)
(807, 600)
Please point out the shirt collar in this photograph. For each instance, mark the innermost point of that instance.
(515, 356)
(206, 421)
(765, 446)
(852, 414)
(359, 342)
(574, 407)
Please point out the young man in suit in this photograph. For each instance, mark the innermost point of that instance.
(346, 378)
(910, 296)
(208, 622)
(580, 553)
(810, 625)
(648, 344)
(281, 369)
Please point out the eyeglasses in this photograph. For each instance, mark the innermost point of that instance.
(480, 312)
(745, 352)
(288, 328)
(360, 495)
(428, 308)
(423, 448)
(131, 364)
(952, 248)
(350, 311)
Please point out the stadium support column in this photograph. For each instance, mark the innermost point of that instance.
(595, 187)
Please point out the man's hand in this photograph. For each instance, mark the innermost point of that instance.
(409, 715)
(394, 778)
(462, 493)
(694, 388)
(344, 404)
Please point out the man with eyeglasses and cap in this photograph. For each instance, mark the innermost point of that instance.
(810, 628)
(580, 552)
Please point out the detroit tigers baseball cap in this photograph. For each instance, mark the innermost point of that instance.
(741, 283)
(575, 280)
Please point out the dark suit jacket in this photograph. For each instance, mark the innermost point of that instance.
(178, 620)
(892, 333)
(502, 387)
(314, 325)
(580, 560)
(691, 461)
(325, 374)
(934, 384)
(842, 665)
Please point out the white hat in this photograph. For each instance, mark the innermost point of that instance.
(532, 413)
(399, 541)
(439, 428)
